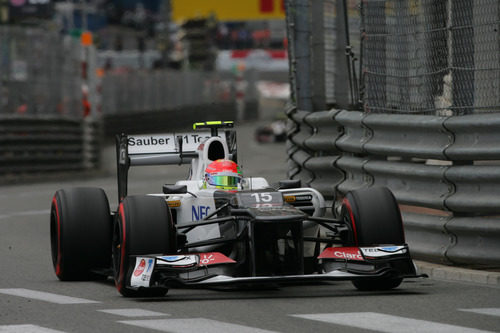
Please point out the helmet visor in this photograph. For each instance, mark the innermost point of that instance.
(229, 181)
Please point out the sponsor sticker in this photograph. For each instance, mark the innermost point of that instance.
(212, 258)
(189, 260)
(165, 143)
(178, 260)
(199, 212)
(382, 251)
(142, 272)
(191, 141)
(344, 253)
(139, 269)
(151, 144)
(174, 203)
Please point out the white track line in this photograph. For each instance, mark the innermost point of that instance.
(134, 313)
(46, 297)
(485, 311)
(27, 213)
(386, 323)
(193, 325)
(26, 329)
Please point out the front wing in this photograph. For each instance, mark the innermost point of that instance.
(216, 269)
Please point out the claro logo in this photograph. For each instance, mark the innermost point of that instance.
(354, 255)
(345, 253)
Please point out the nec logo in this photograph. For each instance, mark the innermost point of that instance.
(199, 212)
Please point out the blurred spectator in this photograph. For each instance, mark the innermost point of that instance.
(222, 37)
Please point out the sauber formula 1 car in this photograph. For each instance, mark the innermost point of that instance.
(192, 236)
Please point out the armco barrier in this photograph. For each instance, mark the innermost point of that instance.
(475, 137)
(327, 176)
(42, 144)
(411, 136)
(355, 134)
(327, 130)
(415, 184)
(297, 132)
(475, 240)
(476, 189)
(448, 165)
(427, 235)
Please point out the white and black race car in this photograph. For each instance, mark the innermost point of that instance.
(194, 236)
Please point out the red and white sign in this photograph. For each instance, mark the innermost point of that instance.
(345, 253)
(142, 272)
(259, 59)
(140, 268)
(212, 258)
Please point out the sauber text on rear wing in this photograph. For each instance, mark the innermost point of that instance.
(164, 149)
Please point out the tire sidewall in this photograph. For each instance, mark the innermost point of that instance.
(374, 217)
(80, 230)
(143, 226)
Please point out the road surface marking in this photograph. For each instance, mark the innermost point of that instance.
(386, 323)
(26, 329)
(193, 325)
(133, 312)
(27, 213)
(485, 311)
(46, 297)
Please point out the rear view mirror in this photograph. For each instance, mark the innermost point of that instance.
(289, 183)
(174, 189)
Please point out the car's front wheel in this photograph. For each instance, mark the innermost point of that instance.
(143, 225)
(374, 219)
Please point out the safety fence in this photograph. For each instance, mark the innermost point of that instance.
(56, 103)
(139, 101)
(412, 90)
(444, 171)
(40, 73)
(164, 90)
(46, 144)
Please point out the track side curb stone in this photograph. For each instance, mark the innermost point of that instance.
(441, 272)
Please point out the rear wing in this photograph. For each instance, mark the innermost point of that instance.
(166, 149)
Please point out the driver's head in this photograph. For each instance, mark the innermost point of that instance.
(223, 175)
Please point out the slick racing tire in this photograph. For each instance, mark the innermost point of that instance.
(374, 219)
(80, 234)
(143, 225)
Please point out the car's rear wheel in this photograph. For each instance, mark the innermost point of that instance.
(80, 234)
(143, 225)
(374, 219)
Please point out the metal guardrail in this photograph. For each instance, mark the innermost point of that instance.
(457, 240)
(297, 132)
(428, 164)
(42, 144)
(475, 137)
(428, 86)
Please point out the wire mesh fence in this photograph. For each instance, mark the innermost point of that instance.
(144, 91)
(390, 56)
(431, 57)
(40, 73)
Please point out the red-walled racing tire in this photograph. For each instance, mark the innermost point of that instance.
(143, 225)
(374, 219)
(80, 234)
